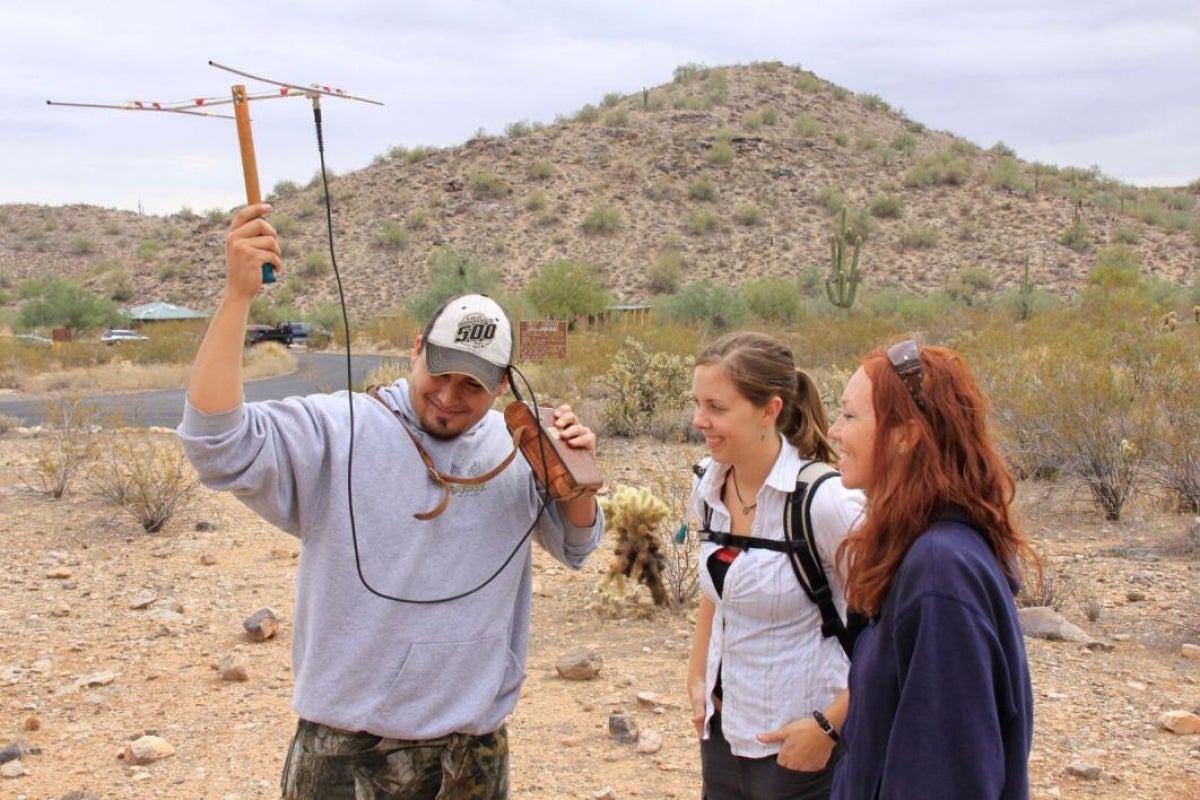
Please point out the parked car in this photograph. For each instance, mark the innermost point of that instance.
(33, 338)
(302, 330)
(265, 333)
(114, 335)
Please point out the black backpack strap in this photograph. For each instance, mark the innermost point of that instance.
(698, 469)
(806, 563)
(726, 539)
(746, 542)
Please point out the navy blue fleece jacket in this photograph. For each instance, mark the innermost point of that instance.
(941, 704)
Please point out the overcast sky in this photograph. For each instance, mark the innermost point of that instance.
(1109, 83)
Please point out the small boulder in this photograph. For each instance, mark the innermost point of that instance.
(579, 665)
(262, 624)
(1181, 722)
(147, 750)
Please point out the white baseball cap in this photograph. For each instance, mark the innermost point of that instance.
(469, 334)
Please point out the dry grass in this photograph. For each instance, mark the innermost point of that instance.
(262, 361)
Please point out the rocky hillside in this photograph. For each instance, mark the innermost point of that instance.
(739, 169)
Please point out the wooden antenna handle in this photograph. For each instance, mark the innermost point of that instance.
(241, 112)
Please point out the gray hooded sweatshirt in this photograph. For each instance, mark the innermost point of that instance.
(364, 662)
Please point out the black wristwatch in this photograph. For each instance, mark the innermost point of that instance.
(826, 726)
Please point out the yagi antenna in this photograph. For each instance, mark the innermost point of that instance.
(240, 99)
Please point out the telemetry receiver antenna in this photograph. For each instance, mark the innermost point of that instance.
(241, 111)
(240, 99)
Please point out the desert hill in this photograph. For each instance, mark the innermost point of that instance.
(740, 170)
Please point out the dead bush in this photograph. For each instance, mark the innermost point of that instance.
(146, 476)
(66, 445)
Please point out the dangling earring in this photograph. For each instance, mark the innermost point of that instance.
(762, 434)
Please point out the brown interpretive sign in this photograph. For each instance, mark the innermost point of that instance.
(543, 338)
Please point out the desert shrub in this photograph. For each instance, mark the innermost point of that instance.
(970, 284)
(666, 273)
(392, 235)
(148, 249)
(921, 237)
(773, 300)
(747, 214)
(119, 286)
(807, 127)
(616, 118)
(602, 218)
(147, 477)
(641, 383)
(1006, 174)
(8, 423)
(539, 171)
(706, 305)
(831, 199)
(588, 114)
(451, 274)
(673, 486)
(701, 221)
(57, 303)
(1077, 235)
(886, 206)
(315, 265)
(82, 246)
(485, 183)
(418, 219)
(691, 72)
(811, 281)
(720, 153)
(808, 82)
(873, 102)
(1074, 409)
(1175, 451)
(65, 448)
(942, 168)
(535, 200)
(1124, 235)
(905, 142)
(703, 188)
(567, 290)
(518, 129)
(755, 120)
(1046, 592)
(285, 225)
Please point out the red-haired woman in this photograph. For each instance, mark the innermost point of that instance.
(940, 699)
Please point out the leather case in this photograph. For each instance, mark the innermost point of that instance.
(568, 471)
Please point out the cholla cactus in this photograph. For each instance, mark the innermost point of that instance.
(634, 513)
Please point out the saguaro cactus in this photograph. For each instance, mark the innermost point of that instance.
(842, 284)
(1025, 295)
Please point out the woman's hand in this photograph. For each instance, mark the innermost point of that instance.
(804, 746)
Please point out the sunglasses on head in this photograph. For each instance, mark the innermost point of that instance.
(905, 358)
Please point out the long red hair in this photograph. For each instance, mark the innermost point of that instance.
(952, 463)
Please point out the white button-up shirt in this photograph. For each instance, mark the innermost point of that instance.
(766, 640)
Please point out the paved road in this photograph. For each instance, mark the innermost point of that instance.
(316, 372)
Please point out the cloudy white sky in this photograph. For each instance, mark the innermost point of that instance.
(1109, 83)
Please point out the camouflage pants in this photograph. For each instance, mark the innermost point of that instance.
(325, 763)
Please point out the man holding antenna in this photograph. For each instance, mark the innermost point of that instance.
(413, 593)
